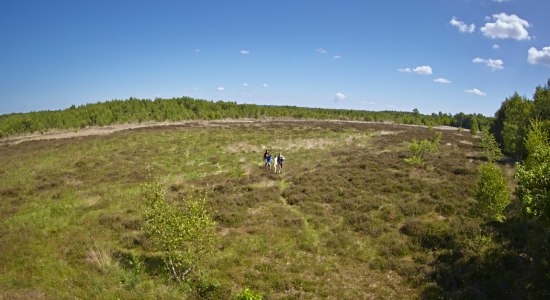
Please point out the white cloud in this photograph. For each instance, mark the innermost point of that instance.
(494, 64)
(265, 85)
(220, 88)
(475, 92)
(500, 1)
(462, 27)
(542, 57)
(337, 57)
(442, 80)
(197, 50)
(321, 50)
(196, 88)
(422, 70)
(245, 84)
(496, 46)
(507, 27)
(244, 52)
(339, 97)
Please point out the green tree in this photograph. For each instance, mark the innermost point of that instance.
(533, 175)
(474, 126)
(491, 193)
(541, 101)
(511, 124)
(184, 236)
(489, 147)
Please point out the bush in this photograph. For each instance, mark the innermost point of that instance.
(491, 193)
(248, 294)
(422, 148)
(489, 146)
(184, 237)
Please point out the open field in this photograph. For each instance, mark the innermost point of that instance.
(348, 219)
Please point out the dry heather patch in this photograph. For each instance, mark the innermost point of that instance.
(388, 132)
(91, 201)
(265, 183)
(241, 147)
(300, 136)
(318, 143)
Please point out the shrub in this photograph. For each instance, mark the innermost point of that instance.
(248, 294)
(415, 161)
(489, 146)
(474, 127)
(491, 193)
(422, 148)
(184, 237)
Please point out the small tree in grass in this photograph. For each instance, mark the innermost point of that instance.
(491, 194)
(248, 294)
(184, 236)
(423, 148)
(489, 146)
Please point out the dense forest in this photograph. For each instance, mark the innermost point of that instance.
(185, 108)
(514, 118)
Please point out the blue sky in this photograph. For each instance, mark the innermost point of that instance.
(435, 55)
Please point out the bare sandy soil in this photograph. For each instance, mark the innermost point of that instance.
(105, 130)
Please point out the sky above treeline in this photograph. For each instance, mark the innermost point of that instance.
(434, 55)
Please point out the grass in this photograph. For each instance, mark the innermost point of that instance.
(349, 218)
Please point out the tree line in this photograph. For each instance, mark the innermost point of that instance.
(522, 127)
(514, 117)
(185, 108)
(522, 130)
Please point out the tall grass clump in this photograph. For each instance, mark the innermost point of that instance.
(99, 255)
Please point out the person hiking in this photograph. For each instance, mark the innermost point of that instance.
(267, 159)
(279, 161)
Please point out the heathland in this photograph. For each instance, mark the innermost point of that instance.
(349, 218)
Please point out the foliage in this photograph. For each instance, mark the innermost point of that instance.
(489, 147)
(184, 237)
(533, 175)
(511, 123)
(414, 160)
(422, 148)
(541, 101)
(491, 193)
(248, 294)
(474, 127)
